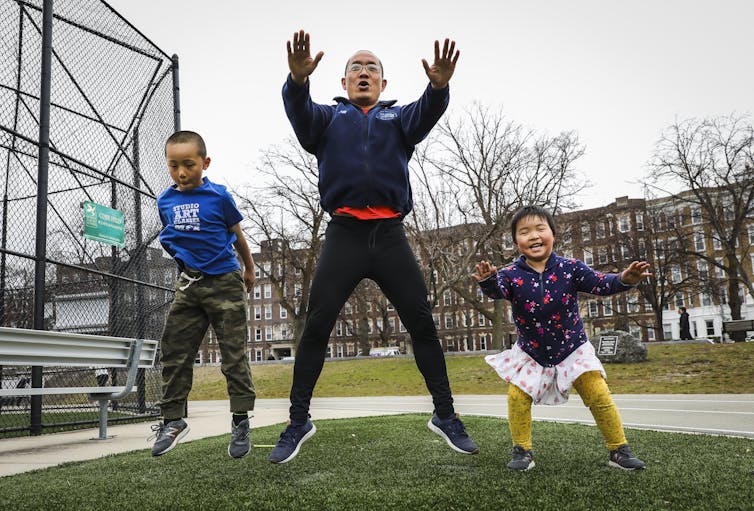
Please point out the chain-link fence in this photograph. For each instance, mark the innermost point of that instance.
(113, 102)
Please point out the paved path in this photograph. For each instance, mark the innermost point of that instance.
(724, 414)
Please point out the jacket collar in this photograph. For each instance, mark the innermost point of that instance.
(383, 104)
(521, 263)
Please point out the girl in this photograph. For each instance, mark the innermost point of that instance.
(552, 352)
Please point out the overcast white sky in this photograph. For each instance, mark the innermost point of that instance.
(616, 72)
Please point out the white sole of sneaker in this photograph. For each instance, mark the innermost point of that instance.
(178, 438)
(437, 430)
(615, 465)
(239, 457)
(295, 451)
(531, 466)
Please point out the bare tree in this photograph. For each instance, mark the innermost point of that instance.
(713, 161)
(286, 218)
(474, 172)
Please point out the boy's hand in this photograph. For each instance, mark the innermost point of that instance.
(441, 70)
(484, 270)
(248, 279)
(636, 271)
(300, 61)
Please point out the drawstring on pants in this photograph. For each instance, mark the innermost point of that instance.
(190, 279)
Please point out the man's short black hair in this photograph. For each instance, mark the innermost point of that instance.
(527, 211)
(181, 137)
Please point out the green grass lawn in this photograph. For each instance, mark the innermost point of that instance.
(669, 369)
(396, 463)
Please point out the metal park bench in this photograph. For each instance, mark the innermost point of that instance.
(19, 347)
(738, 325)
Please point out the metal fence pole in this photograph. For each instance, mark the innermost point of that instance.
(43, 164)
(176, 95)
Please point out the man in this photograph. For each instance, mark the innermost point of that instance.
(684, 323)
(363, 146)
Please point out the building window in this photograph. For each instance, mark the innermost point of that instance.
(257, 292)
(670, 219)
(599, 230)
(283, 312)
(585, 232)
(284, 331)
(257, 312)
(481, 320)
(370, 327)
(625, 251)
(705, 299)
(639, 221)
(679, 302)
(258, 355)
(448, 321)
(268, 333)
(696, 216)
(446, 299)
(709, 325)
(257, 334)
(716, 243)
(268, 290)
(593, 309)
(675, 274)
(339, 328)
(701, 270)
(650, 333)
(633, 305)
(751, 234)
(436, 319)
(257, 272)
(390, 306)
(483, 342)
(267, 268)
(380, 325)
(401, 326)
(607, 308)
(642, 250)
(699, 241)
(624, 223)
(268, 312)
(602, 255)
(588, 258)
(391, 324)
(297, 290)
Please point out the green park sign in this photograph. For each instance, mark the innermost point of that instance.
(104, 224)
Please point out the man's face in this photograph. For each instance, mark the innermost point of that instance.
(185, 165)
(363, 81)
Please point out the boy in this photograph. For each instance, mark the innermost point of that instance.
(363, 146)
(201, 227)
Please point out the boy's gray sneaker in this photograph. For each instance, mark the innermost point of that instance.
(239, 439)
(522, 459)
(168, 435)
(290, 441)
(622, 457)
(454, 433)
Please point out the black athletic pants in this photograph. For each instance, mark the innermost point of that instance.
(375, 249)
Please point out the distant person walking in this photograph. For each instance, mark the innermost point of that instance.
(363, 146)
(684, 323)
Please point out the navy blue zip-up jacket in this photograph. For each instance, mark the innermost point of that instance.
(363, 158)
(546, 305)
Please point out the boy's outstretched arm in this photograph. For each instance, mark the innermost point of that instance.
(243, 250)
(300, 61)
(442, 69)
(636, 271)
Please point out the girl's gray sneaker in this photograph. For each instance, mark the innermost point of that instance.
(522, 459)
(622, 457)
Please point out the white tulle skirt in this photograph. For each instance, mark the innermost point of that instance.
(545, 385)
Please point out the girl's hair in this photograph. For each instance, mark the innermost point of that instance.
(527, 211)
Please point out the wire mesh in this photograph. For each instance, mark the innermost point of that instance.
(112, 107)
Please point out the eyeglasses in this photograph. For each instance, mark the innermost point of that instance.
(356, 67)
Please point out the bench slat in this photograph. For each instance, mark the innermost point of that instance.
(59, 390)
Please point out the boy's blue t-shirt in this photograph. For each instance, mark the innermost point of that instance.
(197, 227)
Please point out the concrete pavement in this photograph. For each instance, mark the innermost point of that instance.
(719, 414)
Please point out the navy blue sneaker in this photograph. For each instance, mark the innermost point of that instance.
(454, 433)
(290, 441)
(622, 457)
(522, 459)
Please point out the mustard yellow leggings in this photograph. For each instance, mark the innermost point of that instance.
(593, 390)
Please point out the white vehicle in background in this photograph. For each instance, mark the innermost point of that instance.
(384, 352)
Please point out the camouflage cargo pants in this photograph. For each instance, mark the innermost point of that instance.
(217, 300)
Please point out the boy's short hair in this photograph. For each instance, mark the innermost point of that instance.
(528, 211)
(181, 137)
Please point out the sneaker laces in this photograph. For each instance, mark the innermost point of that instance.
(288, 437)
(456, 427)
(157, 430)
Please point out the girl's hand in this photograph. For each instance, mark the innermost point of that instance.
(484, 270)
(636, 271)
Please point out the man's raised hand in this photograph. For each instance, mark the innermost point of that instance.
(441, 70)
(300, 61)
